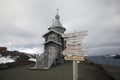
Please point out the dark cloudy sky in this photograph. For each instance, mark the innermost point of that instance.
(23, 22)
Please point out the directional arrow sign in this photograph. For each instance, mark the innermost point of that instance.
(74, 44)
(75, 34)
(74, 58)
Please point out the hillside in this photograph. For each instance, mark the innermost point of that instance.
(10, 59)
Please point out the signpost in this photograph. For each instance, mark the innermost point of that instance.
(74, 49)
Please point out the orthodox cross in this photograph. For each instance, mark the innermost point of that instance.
(57, 10)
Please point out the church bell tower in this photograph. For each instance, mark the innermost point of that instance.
(53, 46)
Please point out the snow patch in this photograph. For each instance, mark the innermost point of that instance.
(4, 60)
(32, 59)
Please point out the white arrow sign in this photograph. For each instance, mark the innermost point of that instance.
(75, 34)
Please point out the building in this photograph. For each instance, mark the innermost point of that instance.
(53, 46)
(3, 49)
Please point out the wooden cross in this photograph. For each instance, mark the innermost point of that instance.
(57, 10)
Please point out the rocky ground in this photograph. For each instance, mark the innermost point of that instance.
(19, 69)
(113, 71)
(87, 71)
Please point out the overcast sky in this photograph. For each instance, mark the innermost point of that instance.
(23, 22)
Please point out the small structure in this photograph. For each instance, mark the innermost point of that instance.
(53, 46)
(3, 49)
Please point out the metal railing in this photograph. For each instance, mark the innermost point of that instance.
(45, 60)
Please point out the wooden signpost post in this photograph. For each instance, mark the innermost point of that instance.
(74, 49)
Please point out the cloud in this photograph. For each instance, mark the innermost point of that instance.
(23, 22)
(35, 50)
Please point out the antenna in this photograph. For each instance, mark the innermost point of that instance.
(53, 20)
(11, 43)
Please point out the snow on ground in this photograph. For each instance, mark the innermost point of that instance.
(32, 59)
(4, 60)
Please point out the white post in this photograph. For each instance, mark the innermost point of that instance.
(75, 70)
(36, 65)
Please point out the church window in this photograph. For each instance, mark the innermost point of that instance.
(52, 37)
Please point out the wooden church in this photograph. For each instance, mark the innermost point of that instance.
(53, 46)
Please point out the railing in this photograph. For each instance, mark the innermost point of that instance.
(42, 60)
(52, 58)
(45, 60)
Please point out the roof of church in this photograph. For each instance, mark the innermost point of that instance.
(52, 30)
(56, 22)
(53, 42)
